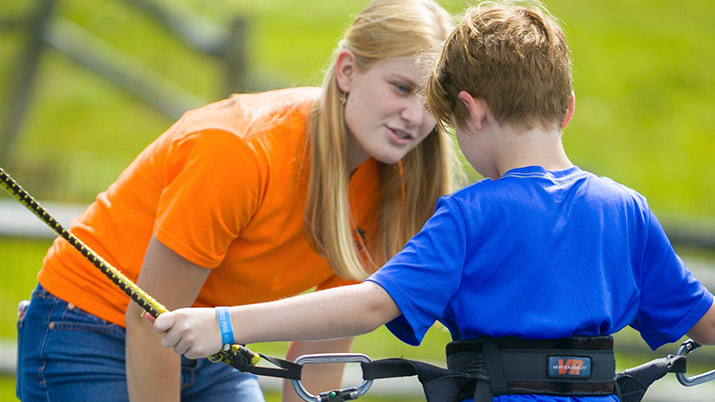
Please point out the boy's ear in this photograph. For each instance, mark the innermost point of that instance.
(477, 108)
(345, 69)
(570, 111)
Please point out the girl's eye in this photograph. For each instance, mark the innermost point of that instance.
(403, 88)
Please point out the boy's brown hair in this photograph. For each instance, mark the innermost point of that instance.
(515, 58)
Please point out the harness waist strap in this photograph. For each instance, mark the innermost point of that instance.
(571, 366)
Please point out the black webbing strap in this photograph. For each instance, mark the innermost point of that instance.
(485, 390)
(397, 367)
(439, 384)
(632, 384)
(287, 369)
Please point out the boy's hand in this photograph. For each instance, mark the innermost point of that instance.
(192, 332)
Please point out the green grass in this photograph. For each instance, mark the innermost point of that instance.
(21, 261)
(7, 389)
(642, 73)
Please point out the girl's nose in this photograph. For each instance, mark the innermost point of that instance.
(414, 111)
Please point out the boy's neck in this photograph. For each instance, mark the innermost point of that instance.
(537, 147)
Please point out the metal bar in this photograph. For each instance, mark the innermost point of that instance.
(21, 94)
(200, 34)
(119, 68)
(687, 347)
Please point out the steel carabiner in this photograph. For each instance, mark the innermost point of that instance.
(345, 394)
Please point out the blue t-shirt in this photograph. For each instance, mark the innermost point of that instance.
(543, 255)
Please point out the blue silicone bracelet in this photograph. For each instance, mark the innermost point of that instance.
(224, 324)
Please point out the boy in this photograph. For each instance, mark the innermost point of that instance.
(539, 249)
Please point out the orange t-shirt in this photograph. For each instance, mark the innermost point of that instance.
(220, 188)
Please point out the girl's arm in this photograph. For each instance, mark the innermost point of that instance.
(328, 314)
(152, 373)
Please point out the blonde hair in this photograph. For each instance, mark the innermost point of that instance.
(514, 57)
(409, 190)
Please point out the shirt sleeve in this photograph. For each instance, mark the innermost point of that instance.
(425, 275)
(672, 299)
(211, 190)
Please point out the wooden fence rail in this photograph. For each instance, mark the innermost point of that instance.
(44, 29)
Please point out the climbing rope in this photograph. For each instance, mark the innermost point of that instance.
(238, 356)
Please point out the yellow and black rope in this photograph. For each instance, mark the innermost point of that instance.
(236, 355)
(148, 303)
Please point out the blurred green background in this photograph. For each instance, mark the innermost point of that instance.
(642, 70)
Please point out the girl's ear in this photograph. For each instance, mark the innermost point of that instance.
(570, 111)
(345, 69)
(477, 108)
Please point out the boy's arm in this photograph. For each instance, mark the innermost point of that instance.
(703, 332)
(329, 314)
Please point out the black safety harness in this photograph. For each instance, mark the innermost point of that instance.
(486, 367)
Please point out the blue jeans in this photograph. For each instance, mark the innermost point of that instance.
(65, 353)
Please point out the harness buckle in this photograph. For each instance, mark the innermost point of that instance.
(339, 395)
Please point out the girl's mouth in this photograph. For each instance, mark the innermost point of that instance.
(404, 135)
